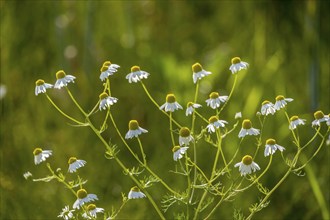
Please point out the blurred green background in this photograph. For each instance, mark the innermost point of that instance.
(286, 44)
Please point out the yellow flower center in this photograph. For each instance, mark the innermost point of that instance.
(247, 160)
(190, 104)
(270, 141)
(279, 98)
(104, 68)
(197, 68)
(40, 82)
(135, 69)
(246, 124)
(103, 95)
(72, 160)
(81, 193)
(60, 74)
(170, 98)
(265, 102)
(235, 60)
(214, 95)
(213, 119)
(37, 151)
(91, 207)
(135, 189)
(318, 115)
(184, 132)
(107, 63)
(175, 148)
(294, 118)
(133, 125)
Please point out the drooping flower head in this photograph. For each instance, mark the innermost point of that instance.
(237, 65)
(185, 136)
(215, 100)
(134, 130)
(238, 115)
(135, 193)
(190, 107)
(171, 104)
(63, 79)
(215, 123)
(247, 129)
(136, 74)
(108, 69)
(271, 147)
(247, 165)
(106, 101)
(295, 121)
(83, 197)
(41, 87)
(92, 211)
(199, 72)
(267, 108)
(178, 152)
(75, 164)
(281, 102)
(319, 117)
(41, 155)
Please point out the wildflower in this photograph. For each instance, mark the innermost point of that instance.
(108, 69)
(170, 105)
(295, 121)
(134, 130)
(106, 101)
(247, 129)
(63, 79)
(215, 123)
(267, 108)
(199, 72)
(83, 197)
(92, 211)
(27, 175)
(178, 152)
(3, 91)
(75, 164)
(237, 65)
(215, 100)
(271, 147)
(41, 155)
(41, 86)
(320, 117)
(135, 193)
(281, 102)
(328, 120)
(136, 74)
(185, 136)
(66, 213)
(238, 115)
(190, 107)
(247, 165)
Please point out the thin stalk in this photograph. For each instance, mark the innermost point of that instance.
(142, 152)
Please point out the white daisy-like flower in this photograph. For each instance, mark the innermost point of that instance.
(191, 107)
(215, 123)
(136, 74)
(108, 69)
(271, 147)
(199, 72)
(134, 130)
(170, 105)
(247, 129)
(41, 86)
(185, 138)
(106, 101)
(75, 164)
(83, 197)
(215, 100)
(66, 213)
(41, 155)
(267, 108)
(328, 120)
(27, 175)
(237, 65)
(178, 152)
(92, 211)
(238, 115)
(3, 91)
(63, 79)
(295, 121)
(247, 165)
(135, 193)
(320, 117)
(281, 102)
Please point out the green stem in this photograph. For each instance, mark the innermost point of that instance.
(75, 102)
(142, 152)
(230, 94)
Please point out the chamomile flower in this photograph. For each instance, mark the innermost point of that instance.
(271, 147)
(190, 107)
(199, 72)
(295, 121)
(106, 101)
(27, 175)
(281, 102)
(66, 213)
(63, 79)
(83, 197)
(136, 74)
(215, 100)
(135, 193)
(178, 152)
(319, 117)
(134, 130)
(328, 120)
(41, 155)
(171, 104)
(215, 123)
(237, 65)
(247, 129)
(75, 164)
(41, 86)
(247, 165)
(267, 108)
(238, 115)
(185, 136)
(92, 211)
(108, 69)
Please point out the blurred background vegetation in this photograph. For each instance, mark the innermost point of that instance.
(286, 44)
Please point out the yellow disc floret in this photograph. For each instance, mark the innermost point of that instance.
(265, 102)
(246, 124)
(184, 132)
(197, 68)
(270, 141)
(81, 193)
(235, 60)
(133, 125)
(170, 98)
(103, 95)
(294, 118)
(247, 160)
(135, 189)
(318, 115)
(60, 74)
(214, 95)
(135, 69)
(175, 148)
(37, 151)
(40, 82)
(72, 160)
(91, 207)
(279, 98)
(213, 119)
